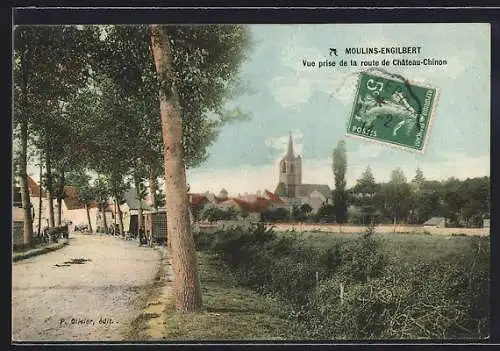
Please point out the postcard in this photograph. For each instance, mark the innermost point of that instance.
(251, 182)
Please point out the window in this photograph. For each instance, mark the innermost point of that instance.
(283, 167)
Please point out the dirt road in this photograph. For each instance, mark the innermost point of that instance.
(86, 291)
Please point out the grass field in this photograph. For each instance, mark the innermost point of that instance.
(232, 311)
(405, 247)
(229, 311)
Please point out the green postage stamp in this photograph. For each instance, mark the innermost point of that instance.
(389, 109)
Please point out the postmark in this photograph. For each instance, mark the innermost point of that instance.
(391, 110)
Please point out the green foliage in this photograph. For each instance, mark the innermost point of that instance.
(102, 192)
(213, 214)
(326, 213)
(298, 214)
(81, 180)
(205, 63)
(396, 196)
(280, 189)
(306, 209)
(340, 194)
(278, 214)
(362, 259)
(361, 292)
(464, 203)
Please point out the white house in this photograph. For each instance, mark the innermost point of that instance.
(435, 222)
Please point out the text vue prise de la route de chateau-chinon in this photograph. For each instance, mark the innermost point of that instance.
(401, 61)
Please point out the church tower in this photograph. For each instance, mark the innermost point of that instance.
(291, 171)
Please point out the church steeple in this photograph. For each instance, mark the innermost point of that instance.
(289, 154)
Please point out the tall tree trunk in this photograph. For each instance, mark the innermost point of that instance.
(152, 194)
(152, 186)
(60, 195)
(88, 218)
(114, 217)
(59, 211)
(23, 157)
(140, 218)
(104, 219)
(183, 251)
(50, 197)
(119, 214)
(40, 197)
(25, 193)
(120, 218)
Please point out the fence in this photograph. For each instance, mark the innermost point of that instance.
(156, 226)
(17, 234)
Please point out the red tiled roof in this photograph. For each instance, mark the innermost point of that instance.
(71, 200)
(195, 199)
(34, 188)
(274, 198)
(259, 205)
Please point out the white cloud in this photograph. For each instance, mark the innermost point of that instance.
(298, 85)
(281, 143)
(290, 91)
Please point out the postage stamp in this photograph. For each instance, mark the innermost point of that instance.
(392, 110)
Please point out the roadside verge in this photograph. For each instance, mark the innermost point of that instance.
(37, 251)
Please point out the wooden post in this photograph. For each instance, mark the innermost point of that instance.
(341, 293)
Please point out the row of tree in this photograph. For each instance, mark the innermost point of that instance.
(462, 202)
(124, 105)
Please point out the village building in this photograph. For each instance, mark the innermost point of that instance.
(73, 210)
(291, 188)
(435, 222)
(130, 210)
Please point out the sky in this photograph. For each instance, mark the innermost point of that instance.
(314, 104)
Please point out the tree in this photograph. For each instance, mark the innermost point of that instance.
(85, 191)
(476, 197)
(280, 189)
(187, 92)
(139, 175)
(102, 192)
(417, 188)
(306, 209)
(50, 63)
(398, 195)
(326, 213)
(275, 214)
(363, 193)
(298, 214)
(429, 201)
(339, 194)
(118, 186)
(187, 287)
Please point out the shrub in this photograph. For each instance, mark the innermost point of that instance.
(213, 214)
(275, 214)
(326, 213)
(445, 297)
(362, 259)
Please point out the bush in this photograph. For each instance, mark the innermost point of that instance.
(279, 214)
(445, 298)
(326, 213)
(213, 214)
(362, 259)
(382, 297)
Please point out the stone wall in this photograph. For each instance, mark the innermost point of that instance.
(17, 233)
(335, 228)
